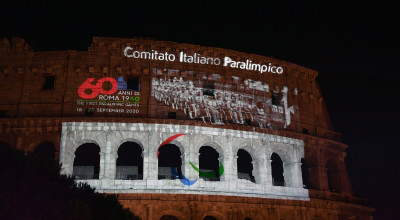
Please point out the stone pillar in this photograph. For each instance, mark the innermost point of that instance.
(259, 171)
(109, 163)
(65, 159)
(152, 164)
(183, 163)
(189, 172)
(227, 162)
(294, 174)
(145, 155)
(268, 172)
(230, 172)
(102, 165)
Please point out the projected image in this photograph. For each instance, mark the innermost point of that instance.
(109, 95)
(201, 96)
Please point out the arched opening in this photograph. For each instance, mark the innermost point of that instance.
(277, 170)
(209, 218)
(247, 218)
(333, 176)
(245, 166)
(87, 162)
(209, 164)
(129, 162)
(45, 151)
(169, 162)
(168, 217)
(305, 174)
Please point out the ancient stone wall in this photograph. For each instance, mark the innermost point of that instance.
(45, 97)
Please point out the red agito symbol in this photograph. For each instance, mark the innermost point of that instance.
(96, 89)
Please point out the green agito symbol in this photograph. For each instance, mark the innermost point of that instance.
(210, 174)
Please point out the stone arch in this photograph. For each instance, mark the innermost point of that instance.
(180, 146)
(245, 165)
(217, 146)
(33, 145)
(68, 149)
(170, 156)
(214, 214)
(129, 161)
(87, 160)
(277, 170)
(214, 144)
(252, 214)
(251, 148)
(45, 150)
(80, 142)
(176, 213)
(122, 141)
(120, 137)
(209, 163)
(283, 153)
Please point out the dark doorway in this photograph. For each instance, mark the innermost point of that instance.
(305, 174)
(244, 165)
(169, 162)
(129, 162)
(277, 170)
(209, 164)
(87, 162)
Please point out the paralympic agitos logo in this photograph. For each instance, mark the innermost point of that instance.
(183, 179)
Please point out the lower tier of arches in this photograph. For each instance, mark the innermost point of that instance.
(200, 207)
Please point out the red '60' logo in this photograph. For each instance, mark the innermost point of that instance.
(89, 91)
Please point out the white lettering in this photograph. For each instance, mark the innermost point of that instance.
(198, 59)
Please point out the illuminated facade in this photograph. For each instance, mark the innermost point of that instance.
(180, 131)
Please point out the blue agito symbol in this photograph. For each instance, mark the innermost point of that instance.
(183, 179)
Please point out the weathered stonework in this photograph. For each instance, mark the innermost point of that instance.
(109, 136)
(240, 112)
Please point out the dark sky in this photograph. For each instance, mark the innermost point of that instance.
(353, 45)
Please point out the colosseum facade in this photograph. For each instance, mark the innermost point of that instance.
(180, 131)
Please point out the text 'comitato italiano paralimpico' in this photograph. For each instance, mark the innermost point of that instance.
(196, 58)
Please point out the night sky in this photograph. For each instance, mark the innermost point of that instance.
(353, 46)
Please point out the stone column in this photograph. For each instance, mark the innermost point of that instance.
(66, 164)
(268, 172)
(292, 173)
(189, 172)
(259, 171)
(109, 163)
(228, 162)
(102, 165)
(145, 155)
(152, 162)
